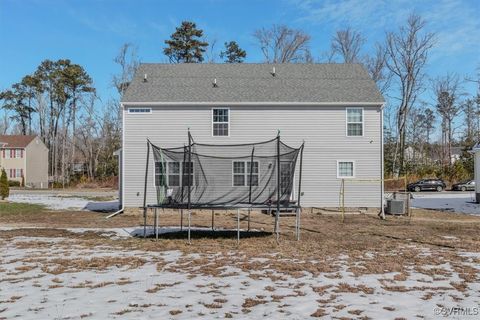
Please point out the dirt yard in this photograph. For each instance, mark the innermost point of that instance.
(78, 265)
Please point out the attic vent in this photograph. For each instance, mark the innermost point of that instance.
(214, 83)
(273, 72)
(145, 78)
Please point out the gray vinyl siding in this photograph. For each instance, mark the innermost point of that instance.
(323, 128)
(36, 171)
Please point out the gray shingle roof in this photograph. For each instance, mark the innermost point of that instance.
(307, 83)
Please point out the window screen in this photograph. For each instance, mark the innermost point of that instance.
(220, 122)
(345, 169)
(354, 122)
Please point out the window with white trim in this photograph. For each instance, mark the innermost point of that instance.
(173, 171)
(220, 122)
(169, 173)
(187, 173)
(285, 176)
(345, 169)
(18, 153)
(160, 174)
(139, 110)
(241, 173)
(354, 122)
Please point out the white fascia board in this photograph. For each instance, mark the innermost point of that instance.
(342, 104)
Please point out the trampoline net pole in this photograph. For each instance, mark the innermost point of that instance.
(145, 192)
(277, 216)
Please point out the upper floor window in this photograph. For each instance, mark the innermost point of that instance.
(139, 110)
(354, 122)
(12, 153)
(220, 122)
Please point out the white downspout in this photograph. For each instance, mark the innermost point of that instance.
(122, 173)
(382, 178)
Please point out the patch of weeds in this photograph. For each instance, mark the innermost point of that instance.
(319, 313)
(251, 302)
(175, 312)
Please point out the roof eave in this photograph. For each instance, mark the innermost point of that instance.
(262, 103)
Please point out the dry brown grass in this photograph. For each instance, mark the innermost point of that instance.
(175, 312)
(370, 245)
(252, 302)
(59, 266)
(319, 313)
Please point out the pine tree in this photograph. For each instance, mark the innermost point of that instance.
(185, 45)
(4, 187)
(233, 53)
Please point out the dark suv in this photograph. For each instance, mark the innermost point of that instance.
(427, 185)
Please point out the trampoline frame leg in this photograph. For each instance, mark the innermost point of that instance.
(156, 224)
(213, 220)
(248, 225)
(238, 226)
(277, 225)
(181, 219)
(297, 223)
(189, 224)
(144, 223)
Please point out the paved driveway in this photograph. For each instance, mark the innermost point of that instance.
(461, 202)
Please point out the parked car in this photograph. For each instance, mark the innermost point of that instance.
(468, 185)
(427, 185)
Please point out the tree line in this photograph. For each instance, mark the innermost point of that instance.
(59, 102)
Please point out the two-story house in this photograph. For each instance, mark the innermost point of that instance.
(25, 159)
(336, 109)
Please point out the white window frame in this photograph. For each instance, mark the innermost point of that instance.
(245, 174)
(228, 122)
(179, 174)
(18, 153)
(167, 173)
(346, 177)
(281, 172)
(7, 153)
(140, 110)
(346, 122)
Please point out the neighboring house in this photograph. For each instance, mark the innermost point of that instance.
(335, 108)
(25, 156)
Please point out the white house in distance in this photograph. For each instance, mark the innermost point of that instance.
(336, 109)
(25, 156)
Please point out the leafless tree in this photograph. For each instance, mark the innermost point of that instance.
(376, 67)
(347, 44)
(210, 54)
(281, 44)
(471, 115)
(128, 62)
(447, 92)
(407, 52)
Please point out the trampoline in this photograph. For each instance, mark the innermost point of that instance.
(249, 176)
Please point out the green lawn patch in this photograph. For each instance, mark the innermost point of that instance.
(11, 208)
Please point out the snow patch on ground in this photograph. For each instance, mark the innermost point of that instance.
(56, 202)
(162, 289)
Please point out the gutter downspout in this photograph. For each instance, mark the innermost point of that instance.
(382, 178)
(122, 157)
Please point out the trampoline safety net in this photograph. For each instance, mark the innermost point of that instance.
(238, 175)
